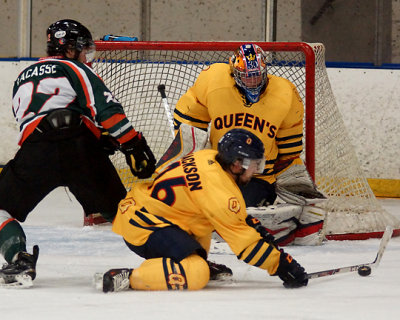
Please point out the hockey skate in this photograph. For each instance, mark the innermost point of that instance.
(21, 272)
(115, 280)
(219, 271)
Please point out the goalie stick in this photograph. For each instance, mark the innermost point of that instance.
(187, 140)
(384, 241)
(161, 90)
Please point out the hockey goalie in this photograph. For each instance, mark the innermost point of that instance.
(242, 94)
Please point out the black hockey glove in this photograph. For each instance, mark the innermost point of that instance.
(109, 143)
(139, 157)
(256, 224)
(290, 272)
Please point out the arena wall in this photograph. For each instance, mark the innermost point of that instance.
(367, 98)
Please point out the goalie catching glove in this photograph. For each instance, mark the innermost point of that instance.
(295, 186)
(139, 157)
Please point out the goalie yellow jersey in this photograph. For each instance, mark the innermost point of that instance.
(277, 118)
(198, 196)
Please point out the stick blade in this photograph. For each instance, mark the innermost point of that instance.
(384, 241)
(382, 246)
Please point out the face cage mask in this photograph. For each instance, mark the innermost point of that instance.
(258, 164)
(252, 94)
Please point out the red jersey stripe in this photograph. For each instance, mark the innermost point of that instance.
(29, 129)
(6, 222)
(128, 136)
(110, 122)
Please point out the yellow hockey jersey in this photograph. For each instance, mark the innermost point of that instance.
(198, 196)
(277, 118)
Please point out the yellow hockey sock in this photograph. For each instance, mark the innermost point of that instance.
(192, 273)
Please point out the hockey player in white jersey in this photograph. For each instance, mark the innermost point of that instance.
(61, 107)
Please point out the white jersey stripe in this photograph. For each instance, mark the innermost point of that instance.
(86, 85)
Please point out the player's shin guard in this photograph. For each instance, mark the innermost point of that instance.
(12, 237)
(192, 273)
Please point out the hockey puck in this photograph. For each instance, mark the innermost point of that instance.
(364, 271)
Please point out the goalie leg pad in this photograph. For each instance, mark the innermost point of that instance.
(280, 220)
(310, 231)
(187, 140)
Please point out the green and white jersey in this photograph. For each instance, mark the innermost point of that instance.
(56, 83)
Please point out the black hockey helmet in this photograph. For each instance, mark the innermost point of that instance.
(67, 34)
(240, 144)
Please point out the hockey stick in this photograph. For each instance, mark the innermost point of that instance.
(161, 90)
(384, 241)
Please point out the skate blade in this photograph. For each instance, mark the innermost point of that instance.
(21, 281)
(98, 280)
(222, 277)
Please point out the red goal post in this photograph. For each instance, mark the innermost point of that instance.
(133, 71)
(229, 47)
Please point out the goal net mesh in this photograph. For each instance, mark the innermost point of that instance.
(133, 72)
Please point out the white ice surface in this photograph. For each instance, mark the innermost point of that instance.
(70, 254)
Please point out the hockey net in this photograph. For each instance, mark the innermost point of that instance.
(133, 71)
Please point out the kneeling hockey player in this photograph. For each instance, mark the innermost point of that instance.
(169, 221)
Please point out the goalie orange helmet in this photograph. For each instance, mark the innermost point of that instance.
(249, 69)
